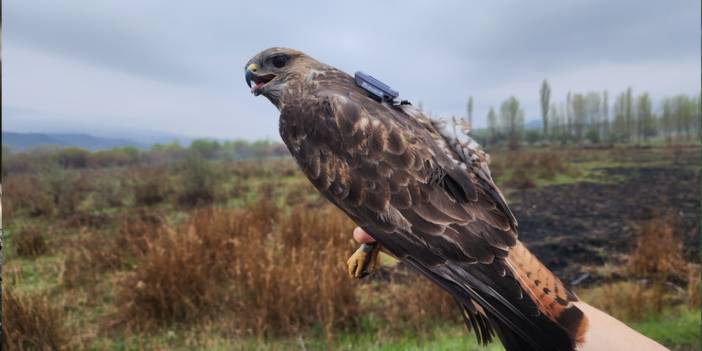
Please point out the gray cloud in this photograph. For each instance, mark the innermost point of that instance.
(177, 66)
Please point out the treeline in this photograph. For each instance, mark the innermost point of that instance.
(588, 118)
(33, 160)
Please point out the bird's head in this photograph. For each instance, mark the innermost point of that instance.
(276, 72)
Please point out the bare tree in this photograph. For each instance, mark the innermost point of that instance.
(545, 95)
(512, 117)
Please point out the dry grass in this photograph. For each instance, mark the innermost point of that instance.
(525, 167)
(178, 279)
(656, 260)
(409, 302)
(32, 322)
(272, 277)
(30, 241)
(520, 179)
(96, 252)
(658, 252)
(627, 300)
(300, 279)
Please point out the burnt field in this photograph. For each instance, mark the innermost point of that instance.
(576, 227)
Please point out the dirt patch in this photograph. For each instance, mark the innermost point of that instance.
(591, 224)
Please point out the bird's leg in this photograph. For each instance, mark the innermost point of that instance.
(364, 261)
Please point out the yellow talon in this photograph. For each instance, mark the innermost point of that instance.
(364, 261)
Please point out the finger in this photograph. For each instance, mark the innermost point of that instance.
(361, 236)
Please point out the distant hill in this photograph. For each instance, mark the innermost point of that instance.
(26, 141)
(534, 124)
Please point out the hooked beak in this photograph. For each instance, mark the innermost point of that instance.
(259, 81)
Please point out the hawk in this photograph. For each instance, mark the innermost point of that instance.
(424, 194)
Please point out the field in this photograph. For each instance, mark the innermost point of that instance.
(240, 255)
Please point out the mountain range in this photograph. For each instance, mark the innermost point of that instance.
(25, 141)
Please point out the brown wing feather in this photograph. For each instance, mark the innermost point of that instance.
(399, 179)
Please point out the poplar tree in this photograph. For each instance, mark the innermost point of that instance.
(545, 95)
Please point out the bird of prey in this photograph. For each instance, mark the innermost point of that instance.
(424, 194)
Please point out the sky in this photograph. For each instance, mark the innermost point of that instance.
(176, 67)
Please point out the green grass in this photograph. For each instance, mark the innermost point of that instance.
(33, 274)
(679, 329)
(440, 338)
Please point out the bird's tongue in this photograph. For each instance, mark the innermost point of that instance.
(254, 89)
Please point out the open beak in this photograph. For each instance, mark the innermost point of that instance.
(258, 81)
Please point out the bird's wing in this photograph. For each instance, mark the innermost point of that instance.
(399, 179)
(550, 295)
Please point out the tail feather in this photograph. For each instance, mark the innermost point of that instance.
(552, 298)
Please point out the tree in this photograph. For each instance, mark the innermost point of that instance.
(605, 114)
(593, 107)
(644, 115)
(207, 149)
(666, 120)
(579, 114)
(492, 125)
(545, 94)
(470, 111)
(555, 125)
(629, 113)
(568, 122)
(512, 117)
(619, 125)
(685, 115)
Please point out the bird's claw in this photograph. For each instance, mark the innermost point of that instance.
(364, 261)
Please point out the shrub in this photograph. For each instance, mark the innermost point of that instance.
(72, 157)
(658, 253)
(114, 158)
(150, 186)
(207, 149)
(108, 190)
(32, 322)
(65, 188)
(29, 242)
(26, 193)
(198, 182)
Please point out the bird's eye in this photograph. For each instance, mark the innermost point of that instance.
(279, 61)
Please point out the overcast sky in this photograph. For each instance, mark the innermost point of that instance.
(177, 66)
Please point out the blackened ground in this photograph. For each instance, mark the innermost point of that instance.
(590, 224)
